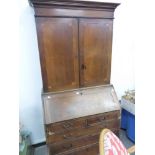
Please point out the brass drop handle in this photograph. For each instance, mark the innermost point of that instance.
(67, 125)
(79, 93)
(67, 146)
(86, 123)
(67, 136)
(101, 119)
(83, 66)
(50, 133)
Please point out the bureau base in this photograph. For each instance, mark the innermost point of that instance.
(89, 146)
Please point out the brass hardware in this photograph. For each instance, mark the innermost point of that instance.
(86, 123)
(101, 119)
(67, 136)
(83, 67)
(67, 146)
(48, 97)
(50, 133)
(79, 93)
(67, 125)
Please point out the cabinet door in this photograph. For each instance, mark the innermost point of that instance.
(95, 51)
(58, 46)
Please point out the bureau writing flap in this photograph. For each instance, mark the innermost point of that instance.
(79, 103)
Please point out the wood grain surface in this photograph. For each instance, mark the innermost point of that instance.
(78, 103)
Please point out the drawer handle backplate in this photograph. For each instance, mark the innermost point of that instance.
(101, 119)
(68, 136)
(50, 133)
(67, 146)
(67, 125)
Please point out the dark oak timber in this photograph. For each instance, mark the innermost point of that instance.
(74, 3)
(75, 118)
(95, 51)
(75, 47)
(75, 42)
(58, 44)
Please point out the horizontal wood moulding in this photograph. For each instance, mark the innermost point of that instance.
(74, 3)
(73, 8)
(55, 12)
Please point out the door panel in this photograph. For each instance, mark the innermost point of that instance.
(95, 51)
(58, 46)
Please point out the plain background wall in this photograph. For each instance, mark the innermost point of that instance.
(122, 70)
(122, 73)
(30, 108)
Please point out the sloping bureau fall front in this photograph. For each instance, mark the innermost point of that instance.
(74, 118)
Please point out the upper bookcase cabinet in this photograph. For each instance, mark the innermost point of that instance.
(75, 42)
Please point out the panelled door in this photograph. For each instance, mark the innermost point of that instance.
(58, 46)
(95, 45)
(74, 52)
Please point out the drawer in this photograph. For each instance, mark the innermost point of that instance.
(90, 150)
(102, 118)
(79, 132)
(74, 145)
(66, 125)
(82, 122)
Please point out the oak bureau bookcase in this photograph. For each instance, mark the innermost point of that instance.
(75, 47)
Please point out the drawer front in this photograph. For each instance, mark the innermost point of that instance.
(79, 132)
(83, 146)
(88, 150)
(82, 122)
(74, 145)
(102, 118)
(66, 125)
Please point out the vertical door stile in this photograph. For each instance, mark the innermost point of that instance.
(81, 54)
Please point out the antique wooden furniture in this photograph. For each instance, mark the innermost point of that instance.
(74, 119)
(75, 42)
(75, 46)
